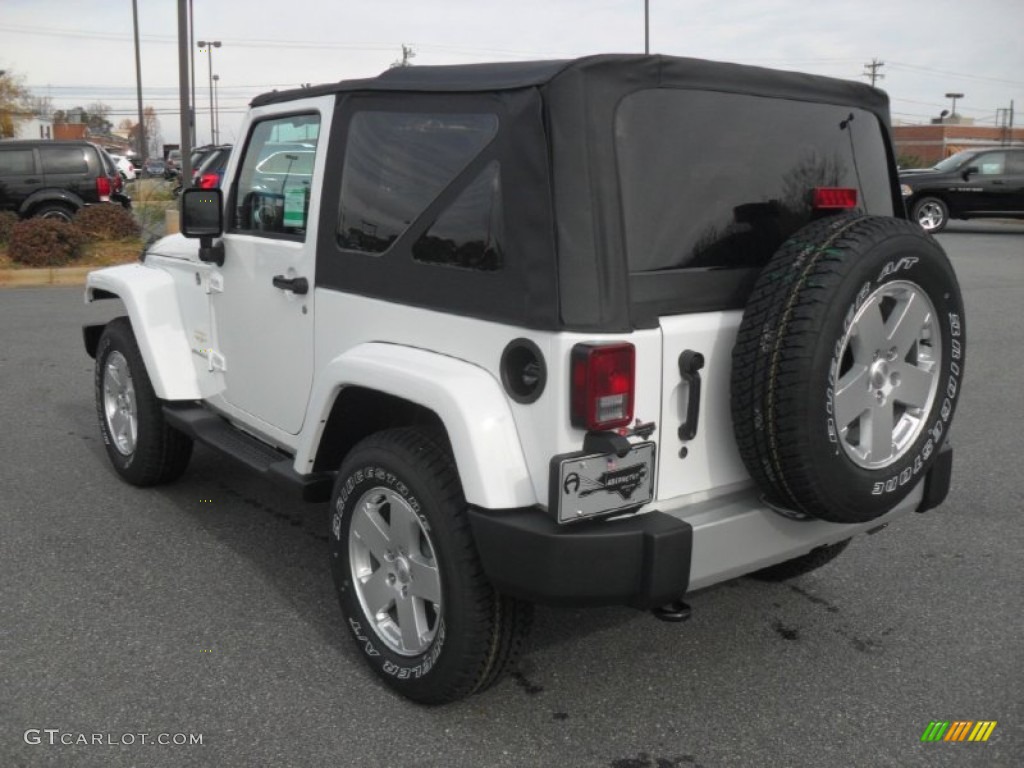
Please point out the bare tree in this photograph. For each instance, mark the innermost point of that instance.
(96, 117)
(154, 140)
(40, 106)
(13, 107)
(407, 55)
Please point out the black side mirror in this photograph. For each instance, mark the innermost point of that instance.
(968, 171)
(202, 216)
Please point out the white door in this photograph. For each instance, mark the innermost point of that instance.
(263, 310)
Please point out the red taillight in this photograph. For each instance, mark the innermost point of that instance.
(103, 187)
(834, 198)
(208, 181)
(603, 379)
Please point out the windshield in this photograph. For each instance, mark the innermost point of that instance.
(952, 162)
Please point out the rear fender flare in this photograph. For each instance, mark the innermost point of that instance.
(43, 196)
(468, 400)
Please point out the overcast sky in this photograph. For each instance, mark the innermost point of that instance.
(80, 51)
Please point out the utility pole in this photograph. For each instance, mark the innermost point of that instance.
(183, 100)
(138, 83)
(871, 71)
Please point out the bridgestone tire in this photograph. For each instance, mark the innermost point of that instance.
(798, 566)
(839, 324)
(160, 453)
(402, 480)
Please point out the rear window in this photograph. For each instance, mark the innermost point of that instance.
(714, 179)
(16, 161)
(396, 164)
(64, 159)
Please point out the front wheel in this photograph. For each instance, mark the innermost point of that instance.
(142, 447)
(932, 214)
(411, 587)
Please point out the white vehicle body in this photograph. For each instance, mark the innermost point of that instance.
(275, 363)
(124, 166)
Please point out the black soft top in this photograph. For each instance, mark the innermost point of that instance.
(567, 266)
(604, 70)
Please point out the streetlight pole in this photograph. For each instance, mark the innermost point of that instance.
(216, 110)
(954, 97)
(210, 45)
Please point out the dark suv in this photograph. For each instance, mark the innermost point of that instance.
(975, 183)
(54, 179)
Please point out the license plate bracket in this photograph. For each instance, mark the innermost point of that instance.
(586, 485)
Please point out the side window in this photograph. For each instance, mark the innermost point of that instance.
(396, 164)
(64, 160)
(18, 161)
(991, 163)
(275, 182)
(468, 233)
(1015, 163)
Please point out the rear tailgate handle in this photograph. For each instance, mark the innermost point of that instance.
(294, 284)
(690, 363)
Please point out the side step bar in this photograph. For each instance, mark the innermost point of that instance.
(216, 432)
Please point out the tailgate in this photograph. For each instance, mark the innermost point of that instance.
(711, 460)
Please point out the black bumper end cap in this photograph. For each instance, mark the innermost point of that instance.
(642, 561)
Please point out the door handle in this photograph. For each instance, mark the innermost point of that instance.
(690, 363)
(294, 284)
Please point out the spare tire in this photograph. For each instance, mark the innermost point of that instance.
(848, 367)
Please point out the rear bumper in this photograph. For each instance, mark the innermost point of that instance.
(653, 558)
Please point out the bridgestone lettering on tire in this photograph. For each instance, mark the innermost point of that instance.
(848, 367)
(142, 447)
(411, 587)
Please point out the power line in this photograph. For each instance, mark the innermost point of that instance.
(946, 73)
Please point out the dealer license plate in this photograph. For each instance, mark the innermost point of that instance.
(603, 483)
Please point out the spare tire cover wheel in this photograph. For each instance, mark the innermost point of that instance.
(847, 367)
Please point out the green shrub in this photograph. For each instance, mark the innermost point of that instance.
(7, 221)
(45, 243)
(106, 221)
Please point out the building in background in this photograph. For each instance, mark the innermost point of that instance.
(929, 144)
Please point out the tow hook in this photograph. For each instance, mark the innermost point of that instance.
(675, 611)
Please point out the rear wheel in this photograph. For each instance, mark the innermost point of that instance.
(142, 447)
(411, 587)
(57, 211)
(931, 213)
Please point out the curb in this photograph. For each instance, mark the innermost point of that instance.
(26, 278)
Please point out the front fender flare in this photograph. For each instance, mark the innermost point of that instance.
(152, 303)
(469, 401)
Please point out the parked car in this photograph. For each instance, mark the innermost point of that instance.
(54, 179)
(590, 332)
(154, 167)
(210, 172)
(124, 166)
(975, 183)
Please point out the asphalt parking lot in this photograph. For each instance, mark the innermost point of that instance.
(206, 607)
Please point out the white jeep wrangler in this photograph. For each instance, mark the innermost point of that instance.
(585, 332)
